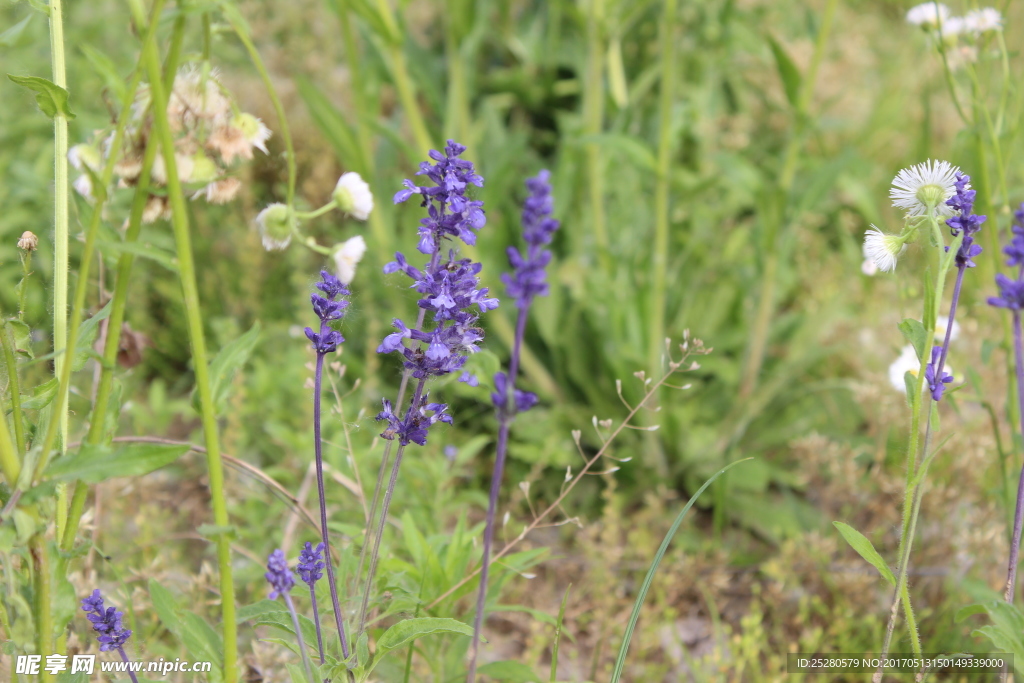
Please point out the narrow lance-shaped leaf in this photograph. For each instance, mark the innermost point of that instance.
(865, 549)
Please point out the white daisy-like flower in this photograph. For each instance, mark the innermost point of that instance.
(928, 14)
(940, 329)
(275, 224)
(982, 20)
(196, 96)
(868, 267)
(882, 249)
(931, 182)
(952, 28)
(907, 362)
(347, 255)
(353, 196)
(255, 131)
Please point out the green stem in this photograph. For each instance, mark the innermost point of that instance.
(60, 239)
(9, 460)
(316, 213)
(26, 271)
(400, 74)
(15, 387)
(187, 275)
(593, 117)
(457, 117)
(44, 611)
(282, 120)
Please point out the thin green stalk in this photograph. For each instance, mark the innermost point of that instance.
(10, 462)
(187, 275)
(457, 117)
(593, 118)
(316, 213)
(773, 222)
(14, 385)
(26, 270)
(282, 120)
(43, 599)
(60, 240)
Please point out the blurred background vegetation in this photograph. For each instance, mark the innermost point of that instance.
(779, 160)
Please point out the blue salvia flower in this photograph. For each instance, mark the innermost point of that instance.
(329, 310)
(526, 281)
(936, 387)
(282, 580)
(449, 287)
(106, 622)
(1011, 291)
(311, 563)
(279, 576)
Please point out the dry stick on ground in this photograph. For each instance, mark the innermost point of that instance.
(674, 366)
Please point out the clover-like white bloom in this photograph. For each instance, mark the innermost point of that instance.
(353, 196)
(928, 14)
(907, 362)
(275, 224)
(347, 256)
(982, 20)
(882, 249)
(929, 183)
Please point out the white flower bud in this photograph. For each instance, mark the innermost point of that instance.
(276, 224)
(347, 255)
(353, 196)
(28, 241)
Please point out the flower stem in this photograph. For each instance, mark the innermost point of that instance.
(43, 601)
(124, 658)
(593, 117)
(329, 562)
(298, 636)
(316, 620)
(505, 417)
(60, 246)
(1011, 578)
(316, 213)
(187, 275)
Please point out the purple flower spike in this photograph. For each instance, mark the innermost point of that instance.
(105, 622)
(964, 220)
(528, 278)
(278, 575)
(413, 427)
(937, 388)
(311, 563)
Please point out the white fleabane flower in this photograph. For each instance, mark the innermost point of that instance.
(927, 184)
(275, 223)
(982, 20)
(928, 14)
(882, 249)
(868, 267)
(907, 362)
(347, 255)
(953, 27)
(353, 196)
(255, 131)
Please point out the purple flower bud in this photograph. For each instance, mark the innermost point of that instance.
(311, 564)
(278, 574)
(937, 387)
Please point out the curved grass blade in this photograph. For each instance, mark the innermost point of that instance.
(620, 661)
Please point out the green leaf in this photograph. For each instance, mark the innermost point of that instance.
(865, 549)
(104, 66)
(282, 619)
(331, 123)
(910, 383)
(22, 335)
(915, 334)
(87, 334)
(509, 670)
(256, 610)
(51, 98)
(9, 38)
(95, 463)
(969, 611)
(41, 395)
(410, 629)
(558, 633)
(224, 366)
(201, 640)
(617, 73)
(790, 75)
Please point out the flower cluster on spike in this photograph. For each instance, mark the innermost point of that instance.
(964, 220)
(1011, 290)
(311, 563)
(106, 622)
(278, 575)
(330, 309)
(937, 387)
(449, 288)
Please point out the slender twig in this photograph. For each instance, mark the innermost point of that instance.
(298, 636)
(124, 658)
(1018, 517)
(14, 386)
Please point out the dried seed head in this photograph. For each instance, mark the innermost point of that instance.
(28, 241)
